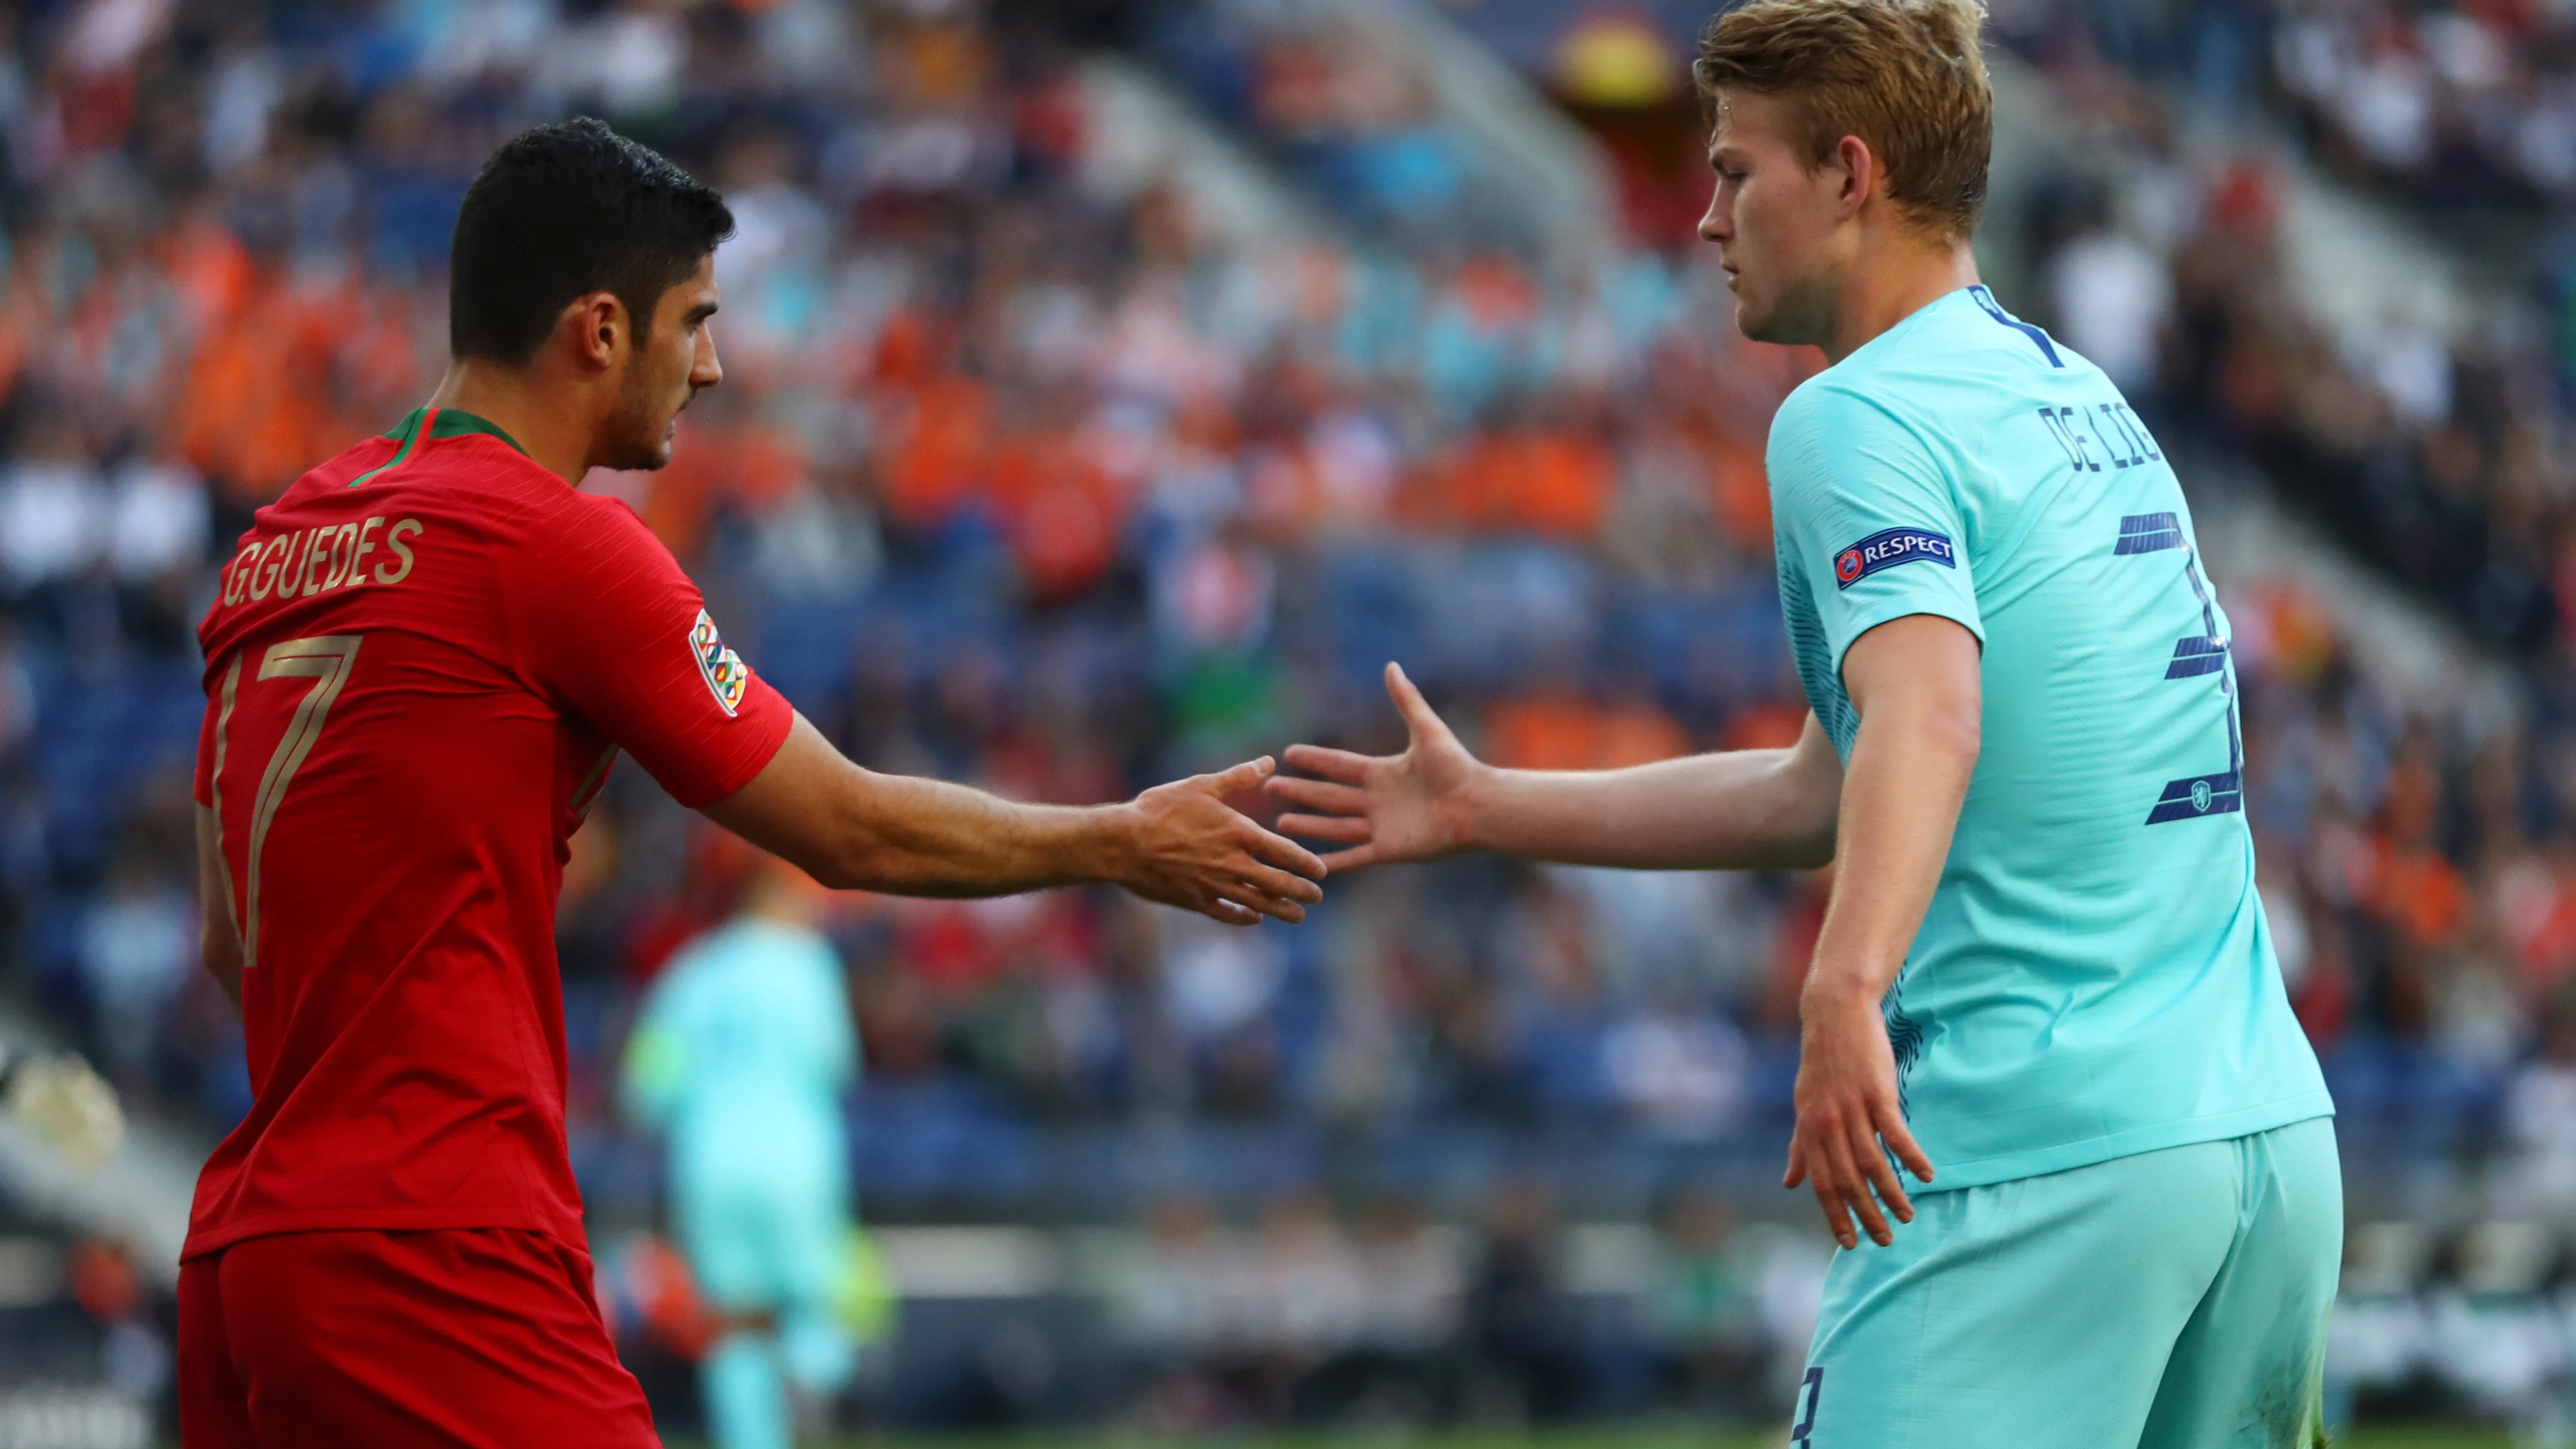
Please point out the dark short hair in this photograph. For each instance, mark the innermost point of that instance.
(559, 212)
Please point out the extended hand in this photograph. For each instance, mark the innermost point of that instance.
(1194, 851)
(1847, 1107)
(1411, 806)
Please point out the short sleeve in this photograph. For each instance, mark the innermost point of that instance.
(1865, 513)
(604, 622)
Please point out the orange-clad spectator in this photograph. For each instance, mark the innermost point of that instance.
(211, 269)
(1638, 732)
(935, 452)
(1739, 488)
(909, 351)
(23, 320)
(1554, 483)
(2286, 631)
(1460, 486)
(2535, 909)
(714, 459)
(1061, 509)
(1498, 293)
(1565, 483)
(1770, 724)
(1558, 730)
(2422, 895)
(936, 64)
(1561, 730)
(255, 410)
(2412, 886)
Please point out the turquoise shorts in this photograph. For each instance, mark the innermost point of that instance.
(764, 1244)
(2168, 1300)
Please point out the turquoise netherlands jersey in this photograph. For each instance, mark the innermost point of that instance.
(742, 1056)
(2094, 977)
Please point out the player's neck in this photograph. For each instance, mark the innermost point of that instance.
(1902, 279)
(552, 429)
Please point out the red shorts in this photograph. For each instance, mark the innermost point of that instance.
(486, 1337)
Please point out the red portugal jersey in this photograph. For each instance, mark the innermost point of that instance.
(423, 661)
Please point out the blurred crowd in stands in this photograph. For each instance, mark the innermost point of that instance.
(1023, 480)
(2459, 105)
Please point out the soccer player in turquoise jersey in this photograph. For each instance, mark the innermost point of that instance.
(2044, 986)
(741, 1058)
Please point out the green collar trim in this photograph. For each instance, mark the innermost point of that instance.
(452, 423)
(443, 423)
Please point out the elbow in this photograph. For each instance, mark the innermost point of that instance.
(1817, 850)
(846, 869)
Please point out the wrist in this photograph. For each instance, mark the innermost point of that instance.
(1468, 822)
(1830, 990)
(1110, 844)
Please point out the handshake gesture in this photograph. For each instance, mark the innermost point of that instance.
(1195, 853)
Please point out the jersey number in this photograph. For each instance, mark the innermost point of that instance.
(2193, 796)
(324, 659)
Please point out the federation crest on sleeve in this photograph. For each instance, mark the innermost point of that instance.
(725, 673)
(1847, 567)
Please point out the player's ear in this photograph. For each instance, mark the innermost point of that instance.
(1861, 173)
(596, 326)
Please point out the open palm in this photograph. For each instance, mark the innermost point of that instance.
(1386, 808)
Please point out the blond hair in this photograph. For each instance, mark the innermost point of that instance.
(1905, 76)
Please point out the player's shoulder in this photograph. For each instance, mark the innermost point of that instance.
(1842, 408)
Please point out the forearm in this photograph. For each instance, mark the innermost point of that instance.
(854, 829)
(1900, 802)
(1736, 810)
(904, 835)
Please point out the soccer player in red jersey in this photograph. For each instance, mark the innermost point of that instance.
(423, 661)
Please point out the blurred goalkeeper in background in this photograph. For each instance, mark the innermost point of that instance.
(742, 1059)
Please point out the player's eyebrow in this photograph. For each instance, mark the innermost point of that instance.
(702, 312)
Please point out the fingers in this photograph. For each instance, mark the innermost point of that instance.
(1867, 1168)
(1419, 720)
(1830, 1202)
(1852, 1188)
(1253, 898)
(1856, 1187)
(1276, 849)
(1891, 1127)
(1230, 913)
(1885, 1183)
(1319, 794)
(1242, 777)
(1346, 829)
(1333, 764)
(1343, 861)
(1279, 883)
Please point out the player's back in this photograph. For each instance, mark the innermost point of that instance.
(419, 668)
(2094, 976)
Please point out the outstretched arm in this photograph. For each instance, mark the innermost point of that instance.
(1915, 682)
(1740, 809)
(1179, 844)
